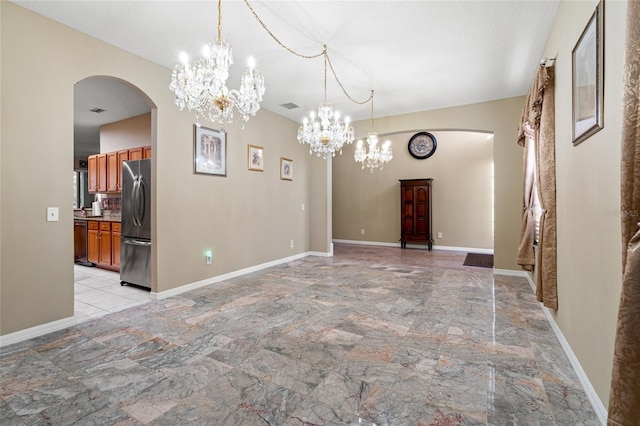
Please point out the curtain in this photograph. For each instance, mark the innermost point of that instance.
(538, 126)
(624, 398)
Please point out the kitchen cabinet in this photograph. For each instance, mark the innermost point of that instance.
(100, 250)
(415, 212)
(97, 165)
(114, 169)
(105, 170)
(115, 244)
(136, 154)
(93, 241)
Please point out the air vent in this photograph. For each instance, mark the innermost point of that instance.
(97, 110)
(290, 105)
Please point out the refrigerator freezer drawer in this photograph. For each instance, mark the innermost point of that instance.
(135, 262)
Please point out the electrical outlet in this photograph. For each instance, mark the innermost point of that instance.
(362, 231)
(439, 234)
(291, 244)
(208, 257)
(302, 208)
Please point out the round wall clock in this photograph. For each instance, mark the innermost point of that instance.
(422, 145)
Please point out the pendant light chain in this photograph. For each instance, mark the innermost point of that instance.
(324, 53)
(219, 19)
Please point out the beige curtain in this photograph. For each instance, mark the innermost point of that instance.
(538, 126)
(624, 399)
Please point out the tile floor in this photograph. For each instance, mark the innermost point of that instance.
(98, 293)
(374, 335)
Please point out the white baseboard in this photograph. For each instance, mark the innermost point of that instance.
(212, 280)
(37, 331)
(594, 399)
(416, 246)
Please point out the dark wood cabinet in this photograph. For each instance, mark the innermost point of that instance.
(97, 165)
(415, 212)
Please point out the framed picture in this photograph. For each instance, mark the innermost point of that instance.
(588, 79)
(286, 168)
(255, 158)
(209, 151)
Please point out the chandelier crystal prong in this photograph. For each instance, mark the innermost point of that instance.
(324, 132)
(202, 86)
(375, 156)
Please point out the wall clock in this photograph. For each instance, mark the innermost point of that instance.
(422, 145)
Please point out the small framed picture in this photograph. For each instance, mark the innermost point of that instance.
(255, 158)
(588, 79)
(286, 168)
(209, 151)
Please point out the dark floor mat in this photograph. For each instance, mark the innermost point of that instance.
(477, 259)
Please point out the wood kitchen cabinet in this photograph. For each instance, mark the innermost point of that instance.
(93, 241)
(97, 165)
(415, 212)
(115, 244)
(114, 169)
(136, 154)
(100, 249)
(105, 170)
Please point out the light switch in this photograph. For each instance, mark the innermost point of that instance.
(52, 214)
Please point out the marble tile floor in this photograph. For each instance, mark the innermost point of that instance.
(374, 335)
(98, 293)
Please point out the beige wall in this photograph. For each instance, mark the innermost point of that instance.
(246, 218)
(462, 169)
(588, 200)
(498, 117)
(124, 134)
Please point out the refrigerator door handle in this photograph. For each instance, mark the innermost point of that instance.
(135, 201)
(137, 242)
(141, 200)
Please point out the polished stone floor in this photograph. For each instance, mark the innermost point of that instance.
(373, 335)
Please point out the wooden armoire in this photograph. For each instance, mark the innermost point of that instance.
(415, 212)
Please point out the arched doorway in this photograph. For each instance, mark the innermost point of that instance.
(112, 119)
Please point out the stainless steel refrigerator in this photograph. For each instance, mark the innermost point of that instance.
(135, 247)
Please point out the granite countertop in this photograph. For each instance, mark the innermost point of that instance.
(99, 218)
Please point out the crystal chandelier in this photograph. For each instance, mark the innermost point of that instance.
(376, 156)
(325, 133)
(201, 87)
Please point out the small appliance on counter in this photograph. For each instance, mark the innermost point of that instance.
(96, 209)
(135, 247)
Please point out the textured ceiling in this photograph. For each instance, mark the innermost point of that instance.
(416, 55)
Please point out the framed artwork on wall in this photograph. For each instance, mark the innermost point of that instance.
(588, 79)
(255, 158)
(286, 168)
(209, 151)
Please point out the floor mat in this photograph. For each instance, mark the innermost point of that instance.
(477, 259)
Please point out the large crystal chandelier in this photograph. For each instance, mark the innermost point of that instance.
(325, 133)
(201, 87)
(376, 156)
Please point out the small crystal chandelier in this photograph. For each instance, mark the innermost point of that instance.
(376, 157)
(202, 88)
(325, 133)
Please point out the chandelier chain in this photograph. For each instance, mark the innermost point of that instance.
(219, 19)
(323, 53)
(342, 86)
(278, 40)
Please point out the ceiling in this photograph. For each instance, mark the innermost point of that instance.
(416, 55)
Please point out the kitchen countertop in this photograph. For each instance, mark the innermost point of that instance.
(99, 218)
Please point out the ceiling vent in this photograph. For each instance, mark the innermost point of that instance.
(97, 110)
(290, 105)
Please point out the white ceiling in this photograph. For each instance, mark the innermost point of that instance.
(416, 55)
